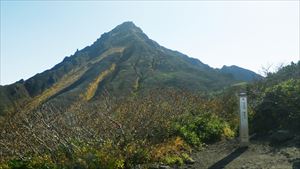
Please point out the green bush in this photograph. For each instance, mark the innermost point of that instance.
(279, 108)
(135, 153)
(203, 128)
(42, 162)
(173, 159)
(17, 164)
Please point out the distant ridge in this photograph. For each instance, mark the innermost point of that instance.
(241, 74)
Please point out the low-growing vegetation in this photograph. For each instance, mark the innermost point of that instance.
(143, 129)
(279, 108)
(202, 128)
(159, 126)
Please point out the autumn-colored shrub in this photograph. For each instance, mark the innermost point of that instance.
(173, 151)
(159, 126)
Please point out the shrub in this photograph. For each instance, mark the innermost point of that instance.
(228, 132)
(42, 162)
(279, 108)
(202, 128)
(173, 159)
(172, 151)
(136, 153)
(17, 164)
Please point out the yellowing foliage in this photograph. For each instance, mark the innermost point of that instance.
(4, 166)
(227, 132)
(174, 146)
(91, 90)
(136, 83)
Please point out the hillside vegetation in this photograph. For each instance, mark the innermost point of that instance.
(277, 100)
(128, 102)
(162, 126)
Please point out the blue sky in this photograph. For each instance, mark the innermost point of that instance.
(37, 35)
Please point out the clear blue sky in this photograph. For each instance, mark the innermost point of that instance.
(37, 35)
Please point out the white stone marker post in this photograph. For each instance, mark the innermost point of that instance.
(244, 131)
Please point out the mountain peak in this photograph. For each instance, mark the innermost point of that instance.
(127, 26)
(122, 35)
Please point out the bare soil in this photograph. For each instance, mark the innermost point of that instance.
(258, 155)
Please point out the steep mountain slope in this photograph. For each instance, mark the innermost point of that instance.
(123, 61)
